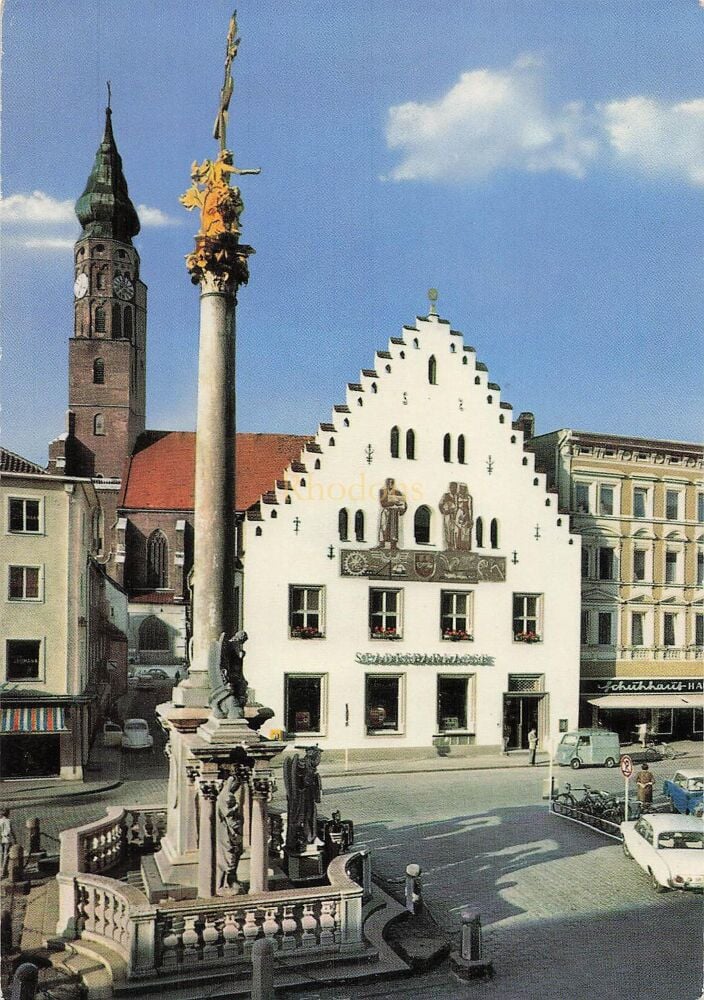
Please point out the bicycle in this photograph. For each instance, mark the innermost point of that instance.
(665, 751)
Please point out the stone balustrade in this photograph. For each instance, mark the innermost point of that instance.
(101, 845)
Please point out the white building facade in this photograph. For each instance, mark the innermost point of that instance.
(410, 579)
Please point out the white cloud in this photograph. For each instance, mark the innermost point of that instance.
(155, 217)
(36, 207)
(658, 138)
(48, 243)
(490, 120)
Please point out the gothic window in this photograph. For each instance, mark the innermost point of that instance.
(447, 448)
(127, 320)
(99, 371)
(394, 442)
(343, 524)
(100, 280)
(153, 634)
(116, 322)
(99, 424)
(494, 533)
(157, 560)
(460, 449)
(100, 320)
(359, 526)
(432, 370)
(479, 528)
(410, 444)
(421, 525)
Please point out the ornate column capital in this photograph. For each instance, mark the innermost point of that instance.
(263, 786)
(209, 788)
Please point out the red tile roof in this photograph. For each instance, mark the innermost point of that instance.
(10, 462)
(161, 472)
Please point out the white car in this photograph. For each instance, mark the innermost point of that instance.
(669, 847)
(136, 735)
(112, 734)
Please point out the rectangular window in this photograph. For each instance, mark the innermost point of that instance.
(668, 629)
(306, 612)
(584, 628)
(304, 703)
(700, 508)
(700, 569)
(637, 619)
(23, 583)
(640, 499)
(605, 628)
(606, 500)
(581, 498)
(585, 563)
(526, 617)
(23, 659)
(455, 614)
(670, 566)
(699, 630)
(385, 614)
(606, 564)
(23, 515)
(452, 703)
(672, 505)
(382, 705)
(639, 564)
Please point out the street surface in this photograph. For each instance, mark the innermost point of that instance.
(565, 914)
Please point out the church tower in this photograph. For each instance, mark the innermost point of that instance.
(107, 379)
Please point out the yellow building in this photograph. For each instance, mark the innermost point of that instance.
(59, 627)
(639, 507)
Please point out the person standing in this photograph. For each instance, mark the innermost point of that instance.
(642, 733)
(645, 782)
(533, 744)
(7, 838)
(506, 739)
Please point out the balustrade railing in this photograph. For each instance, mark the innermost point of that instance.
(101, 845)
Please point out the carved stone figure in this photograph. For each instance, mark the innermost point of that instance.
(303, 792)
(228, 687)
(448, 509)
(393, 507)
(464, 521)
(229, 838)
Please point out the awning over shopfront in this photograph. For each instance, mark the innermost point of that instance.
(626, 701)
(33, 719)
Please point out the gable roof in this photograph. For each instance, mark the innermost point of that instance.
(10, 462)
(161, 473)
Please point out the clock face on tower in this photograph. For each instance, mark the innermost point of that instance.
(80, 286)
(123, 287)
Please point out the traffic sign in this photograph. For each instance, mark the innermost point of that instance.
(626, 766)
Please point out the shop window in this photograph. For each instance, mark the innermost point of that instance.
(669, 622)
(157, 560)
(23, 516)
(382, 704)
(306, 612)
(385, 614)
(584, 628)
(671, 566)
(527, 615)
(304, 703)
(421, 525)
(394, 442)
(343, 524)
(672, 505)
(606, 501)
(22, 659)
(359, 526)
(432, 370)
(639, 565)
(98, 372)
(494, 533)
(447, 448)
(461, 449)
(153, 634)
(606, 563)
(410, 444)
(637, 621)
(452, 703)
(456, 614)
(23, 583)
(640, 500)
(581, 498)
(605, 628)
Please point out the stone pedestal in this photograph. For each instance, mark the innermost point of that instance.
(308, 866)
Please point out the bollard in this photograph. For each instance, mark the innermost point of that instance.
(24, 982)
(34, 836)
(16, 863)
(5, 932)
(470, 963)
(263, 969)
(414, 889)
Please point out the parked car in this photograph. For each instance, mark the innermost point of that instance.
(145, 681)
(685, 791)
(136, 735)
(669, 847)
(112, 734)
(584, 747)
(158, 674)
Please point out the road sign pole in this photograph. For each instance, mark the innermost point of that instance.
(626, 771)
(625, 808)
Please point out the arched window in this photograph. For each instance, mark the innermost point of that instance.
(359, 525)
(447, 448)
(157, 560)
(432, 370)
(100, 320)
(127, 320)
(479, 528)
(317, 464)
(343, 524)
(421, 525)
(99, 424)
(116, 322)
(494, 533)
(331, 443)
(460, 449)
(410, 444)
(98, 372)
(373, 386)
(452, 348)
(464, 360)
(415, 343)
(394, 442)
(153, 634)
(477, 380)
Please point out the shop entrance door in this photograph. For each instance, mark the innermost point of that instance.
(521, 714)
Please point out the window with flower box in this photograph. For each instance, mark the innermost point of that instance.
(456, 615)
(306, 606)
(527, 617)
(385, 608)
(305, 703)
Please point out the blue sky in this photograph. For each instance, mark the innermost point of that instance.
(540, 163)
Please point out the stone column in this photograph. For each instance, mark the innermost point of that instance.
(208, 790)
(191, 826)
(262, 790)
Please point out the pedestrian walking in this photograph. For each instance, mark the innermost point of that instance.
(645, 781)
(643, 733)
(533, 744)
(7, 839)
(506, 739)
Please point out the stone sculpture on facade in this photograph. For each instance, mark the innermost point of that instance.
(393, 507)
(228, 687)
(229, 838)
(457, 512)
(303, 792)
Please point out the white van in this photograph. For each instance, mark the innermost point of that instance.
(585, 747)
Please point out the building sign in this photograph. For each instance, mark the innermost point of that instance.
(635, 685)
(423, 659)
(435, 567)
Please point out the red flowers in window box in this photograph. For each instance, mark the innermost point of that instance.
(385, 633)
(457, 635)
(527, 637)
(305, 632)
